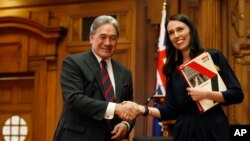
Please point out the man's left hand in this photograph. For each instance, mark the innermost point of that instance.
(119, 132)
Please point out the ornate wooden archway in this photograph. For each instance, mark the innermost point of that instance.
(28, 56)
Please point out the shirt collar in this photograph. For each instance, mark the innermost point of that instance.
(99, 59)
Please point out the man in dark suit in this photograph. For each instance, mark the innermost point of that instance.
(86, 114)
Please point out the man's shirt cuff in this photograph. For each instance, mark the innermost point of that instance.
(127, 124)
(110, 111)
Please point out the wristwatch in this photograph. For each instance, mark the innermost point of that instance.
(146, 111)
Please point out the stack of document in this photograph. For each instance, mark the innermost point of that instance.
(203, 69)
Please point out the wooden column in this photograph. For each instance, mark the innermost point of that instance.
(210, 24)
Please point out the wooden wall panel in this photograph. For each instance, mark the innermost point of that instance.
(206, 14)
(28, 53)
(239, 52)
(154, 8)
(13, 53)
(210, 24)
(45, 52)
(136, 49)
(21, 3)
(16, 94)
(240, 113)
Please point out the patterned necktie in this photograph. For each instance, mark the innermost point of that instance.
(106, 83)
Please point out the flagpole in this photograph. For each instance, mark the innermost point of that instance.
(166, 125)
(161, 54)
(159, 96)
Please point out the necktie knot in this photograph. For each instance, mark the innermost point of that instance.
(104, 64)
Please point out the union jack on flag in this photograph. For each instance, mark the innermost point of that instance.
(160, 77)
(161, 57)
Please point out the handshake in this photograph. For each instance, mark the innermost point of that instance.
(129, 110)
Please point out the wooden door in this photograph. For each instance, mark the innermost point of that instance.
(27, 79)
(16, 107)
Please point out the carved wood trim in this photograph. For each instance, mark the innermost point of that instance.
(241, 52)
(50, 37)
(238, 17)
(39, 47)
(48, 33)
(239, 41)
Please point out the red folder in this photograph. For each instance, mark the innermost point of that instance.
(203, 68)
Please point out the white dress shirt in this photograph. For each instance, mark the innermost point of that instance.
(111, 106)
(109, 114)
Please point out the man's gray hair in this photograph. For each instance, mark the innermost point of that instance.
(104, 19)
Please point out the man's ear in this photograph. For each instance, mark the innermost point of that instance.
(91, 36)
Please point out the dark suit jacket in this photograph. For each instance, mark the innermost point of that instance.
(83, 102)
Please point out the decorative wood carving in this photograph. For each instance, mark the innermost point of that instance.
(239, 114)
(238, 18)
(26, 47)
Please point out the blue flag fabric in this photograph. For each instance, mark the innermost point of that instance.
(160, 77)
(157, 125)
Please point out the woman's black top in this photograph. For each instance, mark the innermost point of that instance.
(191, 125)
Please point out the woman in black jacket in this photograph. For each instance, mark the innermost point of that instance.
(183, 44)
